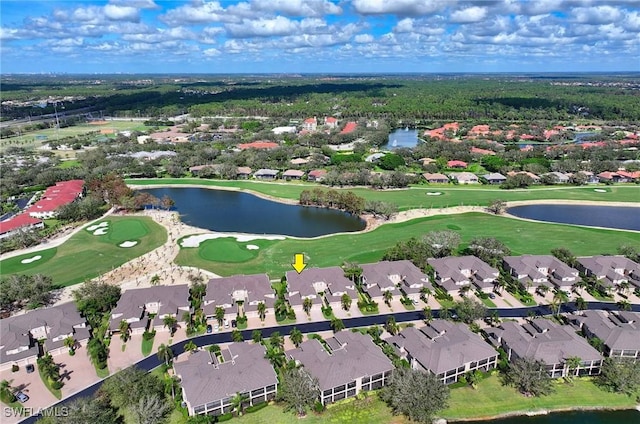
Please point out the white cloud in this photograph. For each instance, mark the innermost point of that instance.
(138, 4)
(262, 27)
(469, 15)
(211, 52)
(313, 8)
(363, 38)
(197, 12)
(431, 26)
(121, 13)
(397, 7)
(597, 15)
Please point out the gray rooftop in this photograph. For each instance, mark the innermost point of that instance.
(544, 340)
(442, 345)
(611, 268)
(460, 269)
(250, 289)
(385, 274)
(618, 331)
(205, 379)
(542, 266)
(352, 355)
(313, 280)
(171, 298)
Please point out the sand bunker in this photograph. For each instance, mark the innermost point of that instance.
(252, 247)
(599, 190)
(194, 241)
(29, 260)
(433, 193)
(128, 243)
(100, 231)
(96, 226)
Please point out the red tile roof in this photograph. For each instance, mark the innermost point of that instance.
(18, 221)
(482, 151)
(350, 127)
(58, 195)
(259, 145)
(456, 164)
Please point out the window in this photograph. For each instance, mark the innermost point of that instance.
(351, 393)
(199, 409)
(271, 388)
(376, 385)
(351, 385)
(326, 393)
(339, 396)
(257, 392)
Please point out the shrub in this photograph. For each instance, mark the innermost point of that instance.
(148, 335)
(57, 385)
(255, 408)
(318, 407)
(223, 418)
(15, 368)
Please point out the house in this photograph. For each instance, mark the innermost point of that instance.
(54, 197)
(445, 349)
(455, 272)
(316, 175)
(195, 170)
(260, 145)
(20, 334)
(266, 174)
(479, 130)
(349, 128)
(557, 177)
(21, 222)
(402, 274)
(435, 178)
(284, 130)
(533, 271)
(544, 340)
(376, 281)
(494, 178)
(135, 306)
(349, 364)
(243, 172)
(591, 178)
(292, 174)
(331, 122)
(619, 331)
(456, 164)
(238, 295)
(630, 176)
(612, 177)
(611, 271)
(310, 124)
(210, 380)
(316, 283)
(464, 177)
(426, 161)
(299, 161)
(531, 175)
(481, 152)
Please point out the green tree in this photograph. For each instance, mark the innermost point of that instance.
(170, 322)
(6, 392)
(470, 310)
(70, 343)
(306, 305)
(219, 313)
(236, 335)
(295, 336)
(150, 409)
(415, 394)
(256, 336)
(473, 378)
(497, 207)
(442, 243)
(559, 298)
(337, 325)
(276, 340)
(262, 311)
(345, 300)
(489, 249)
(238, 401)
(572, 364)
(276, 357)
(298, 390)
(387, 296)
(529, 377)
(124, 330)
(165, 353)
(391, 326)
(565, 255)
(190, 346)
(620, 375)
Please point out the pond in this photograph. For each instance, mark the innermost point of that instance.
(230, 211)
(576, 417)
(620, 217)
(402, 137)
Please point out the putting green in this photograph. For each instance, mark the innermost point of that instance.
(85, 255)
(230, 250)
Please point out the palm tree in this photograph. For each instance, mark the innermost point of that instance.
(237, 402)
(346, 302)
(281, 308)
(623, 287)
(495, 316)
(391, 326)
(425, 292)
(581, 304)
(262, 311)
(307, 303)
(165, 353)
(170, 322)
(572, 364)
(428, 315)
(155, 279)
(473, 378)
(276, 357)
(256, 336)
(6, 392)
(543, 289)
(337, 325)
(579, 286)
(352, 271)
(387, 296)
(444, 313)
(219, 315)
(186, 317)
(70, 342)
(236, 335)
(276, 340)
(124, 330)
(624, 305)
(190, 346)
(559, 297)
(295, 336)
(465, 289)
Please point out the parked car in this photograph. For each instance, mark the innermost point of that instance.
(21, 397)
(209, 329)
(234, 323)
(492, 296)
(226, 323)
(30, 368)
(216, 327)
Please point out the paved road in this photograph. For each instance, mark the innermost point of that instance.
(152, 361)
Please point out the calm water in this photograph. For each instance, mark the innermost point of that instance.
(585, 417)
(231, 211)
(402, 137)
(625, 218)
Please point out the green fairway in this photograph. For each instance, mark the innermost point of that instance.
(229, 250)
(416, 196)
(492, 398)
(521, 236)
(86, 255)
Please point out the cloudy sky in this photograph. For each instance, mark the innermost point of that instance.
(300, 36)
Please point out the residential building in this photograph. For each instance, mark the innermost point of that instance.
(534, 178)
(376, 281)
(318, 283)
(611, 271)
(558, 177)
(21, 222)
(238, 295)
(243, 172)
(435, 178)
(619, 331)
(533, 271)
(349, 364)
(553, 344)
(54, 197)
(316, 175)
(403, 275)
(331, 122)
(135, 306)
(293, 174)
(284, 130)
(455, 272)
(310, 124)
(349, 127)
(20, 333)
(464, 177)
(260, 145)
(266, 174)
(210, 381)
(481, 152)
(613, 177)
(445, 349)
(457, 164)
(495, 178)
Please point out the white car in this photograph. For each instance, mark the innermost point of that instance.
(226, 323)
(216, 327)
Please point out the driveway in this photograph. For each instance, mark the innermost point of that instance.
(77, 371)
(32, 386)
(119, 360)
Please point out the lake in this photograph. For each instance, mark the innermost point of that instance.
(579, 417)
(620, 217)
(230, 211)
(402, 137)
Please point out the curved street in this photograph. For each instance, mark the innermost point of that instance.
(152, 361)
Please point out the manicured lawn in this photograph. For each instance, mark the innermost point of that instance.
(491, 399)
(86, 255)
(521, 237)
(68, 164)
(147, 346)
(416, 196)
(229, 250)
(56, 392)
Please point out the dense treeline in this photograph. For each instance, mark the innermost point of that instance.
(334, 199)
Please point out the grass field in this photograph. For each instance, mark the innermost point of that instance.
(416, 196)
(86, 255)
(275, 256)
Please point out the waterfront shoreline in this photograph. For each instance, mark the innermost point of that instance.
(532, 413)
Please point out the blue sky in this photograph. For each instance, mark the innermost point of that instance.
(303, 36)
